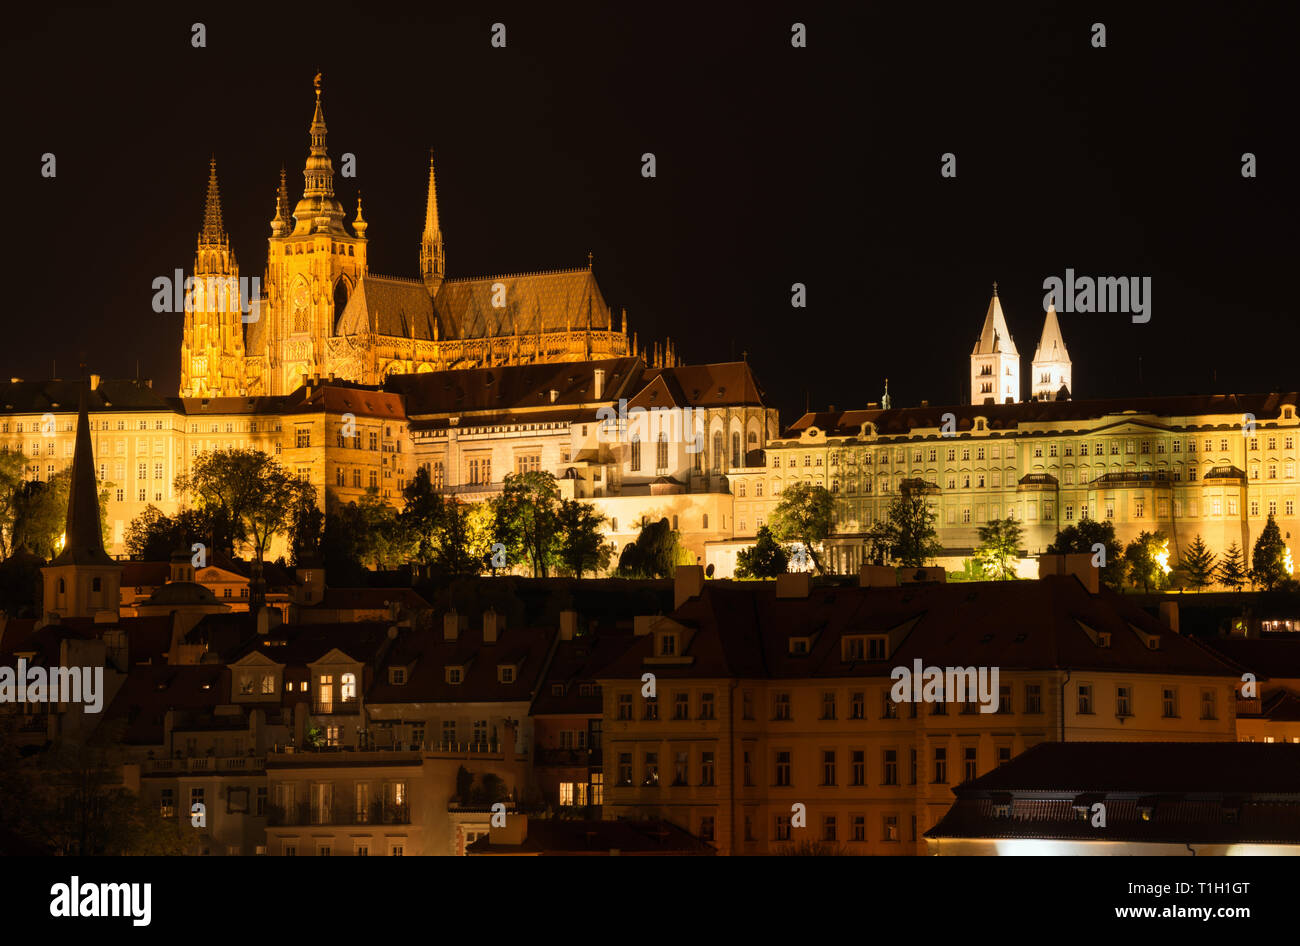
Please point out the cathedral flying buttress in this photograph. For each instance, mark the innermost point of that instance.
(322, 312)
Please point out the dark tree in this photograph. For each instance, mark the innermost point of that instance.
(766, 558)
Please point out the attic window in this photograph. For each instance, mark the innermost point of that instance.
(587, 689)
(667, 645)
(397, 675)
(1154, 642)
(557, 689)
(1103, 638)
(455, 675)
(1002, 810)
(506, 673)
(799, 646)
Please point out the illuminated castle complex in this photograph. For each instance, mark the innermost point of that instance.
(322, 311)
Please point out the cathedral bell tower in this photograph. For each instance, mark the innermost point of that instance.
(313, 266)
(212, 340)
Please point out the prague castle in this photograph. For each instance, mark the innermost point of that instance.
(324, 313)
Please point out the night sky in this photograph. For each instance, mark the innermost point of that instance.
(775, 165)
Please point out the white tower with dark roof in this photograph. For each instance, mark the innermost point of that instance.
(1051, 364)
(994, 362)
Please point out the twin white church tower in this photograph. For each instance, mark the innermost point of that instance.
(995, 363)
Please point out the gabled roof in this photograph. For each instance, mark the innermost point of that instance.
(35, 397)
(514, 388)
(743, 630)
(427, 656)
(150, 691)
(301, 644)
(387, 305)
(574, 663)
(1161, 792)
(728, 383)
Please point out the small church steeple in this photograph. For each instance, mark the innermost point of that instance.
(994, 361)
(82, 580)
(1051, 365)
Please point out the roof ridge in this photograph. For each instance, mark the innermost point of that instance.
(535, 272)
(405, 279)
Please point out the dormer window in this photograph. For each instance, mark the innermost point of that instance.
(455, 675)
(557, 689)
(799, 646)
(506, 673)
(853, 648)
(397, 675)
(667, 645)
(1103, 638)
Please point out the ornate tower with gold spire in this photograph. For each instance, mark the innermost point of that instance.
(212, 340)
(313, 266)
(433, 264)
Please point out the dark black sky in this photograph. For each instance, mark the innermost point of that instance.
(775, 165)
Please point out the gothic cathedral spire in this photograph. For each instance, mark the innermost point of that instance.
(212, 338)
(433, 264)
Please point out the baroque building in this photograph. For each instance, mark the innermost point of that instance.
(321, 312)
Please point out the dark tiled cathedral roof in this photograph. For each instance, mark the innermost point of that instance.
(546, 302)
(386, 305)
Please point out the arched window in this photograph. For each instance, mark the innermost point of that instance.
(340, 298)
(717, 452)
(661, 453)
(635, 465)
(735, 449)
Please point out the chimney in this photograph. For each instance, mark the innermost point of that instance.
(688, 582)
(794, 585)
(452, 624)
(493, 625)
(1078, 564)
(599, 383)
(554, 395)
(568, 625)
(94, 382)
(264, 621)
(1169, 614)
(513, 833)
